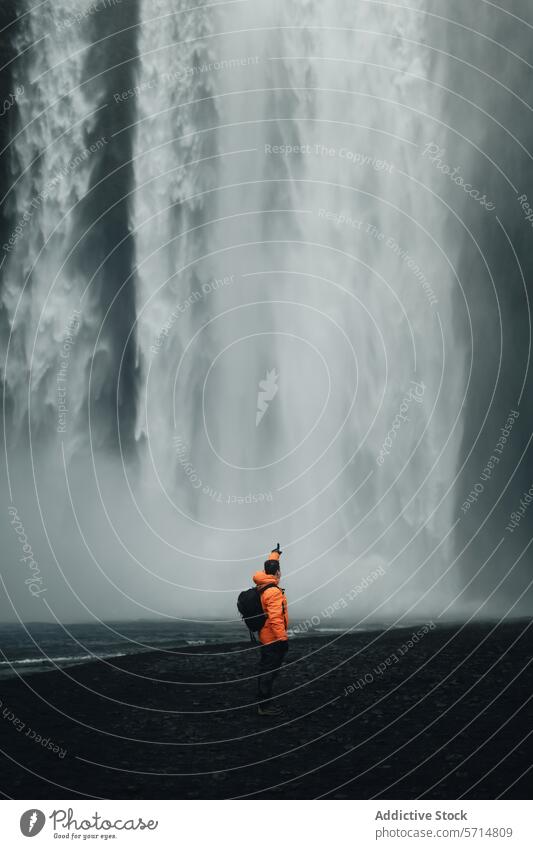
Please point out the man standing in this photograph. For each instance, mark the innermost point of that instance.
(273, 635)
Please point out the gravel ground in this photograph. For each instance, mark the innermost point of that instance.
(364, 715)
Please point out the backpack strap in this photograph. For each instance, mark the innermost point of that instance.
(261, 590)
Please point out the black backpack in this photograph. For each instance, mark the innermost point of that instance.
(250, 607)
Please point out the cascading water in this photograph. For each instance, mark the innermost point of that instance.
(245, 228)
(49, 153)
(250, 149)
(56, 264)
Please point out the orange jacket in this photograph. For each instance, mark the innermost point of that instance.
(274, 605)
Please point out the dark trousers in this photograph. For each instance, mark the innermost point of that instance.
(272, 656)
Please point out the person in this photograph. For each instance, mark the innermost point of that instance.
(273, 636)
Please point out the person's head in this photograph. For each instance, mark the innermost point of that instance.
(272, 568)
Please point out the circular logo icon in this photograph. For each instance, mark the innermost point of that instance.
(32, 822)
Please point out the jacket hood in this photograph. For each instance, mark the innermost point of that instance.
(261, 578)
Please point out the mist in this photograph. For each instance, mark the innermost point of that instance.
(245, 298)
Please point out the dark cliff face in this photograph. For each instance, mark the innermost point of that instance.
(8, 28)
(106, 253)
(488, 110)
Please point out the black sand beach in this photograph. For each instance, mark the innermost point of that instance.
(448, 718)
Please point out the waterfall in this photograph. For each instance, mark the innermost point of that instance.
(234, 298)
(51, 174)
(56, 286)
(276, 236)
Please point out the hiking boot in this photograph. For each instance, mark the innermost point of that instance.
(269, 711)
